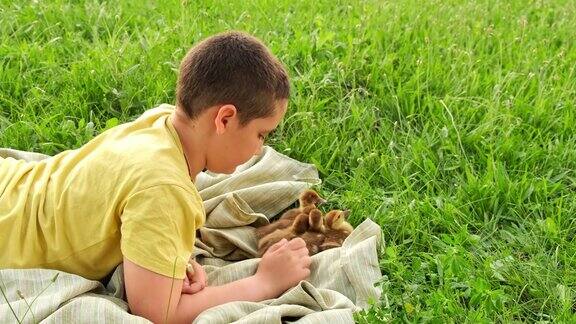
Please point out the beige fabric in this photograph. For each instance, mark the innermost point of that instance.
(342, 279)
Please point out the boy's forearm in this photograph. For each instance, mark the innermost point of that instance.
(247, 289)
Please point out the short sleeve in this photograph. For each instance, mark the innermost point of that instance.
(158, 228)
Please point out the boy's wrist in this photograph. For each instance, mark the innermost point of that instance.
(265, 286)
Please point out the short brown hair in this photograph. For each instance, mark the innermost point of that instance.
(231, 68)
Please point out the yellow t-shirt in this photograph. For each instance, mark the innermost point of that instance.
(127, 193)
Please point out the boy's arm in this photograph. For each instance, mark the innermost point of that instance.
(283, 266)
(148, 293)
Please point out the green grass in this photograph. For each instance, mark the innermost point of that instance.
(450, 123)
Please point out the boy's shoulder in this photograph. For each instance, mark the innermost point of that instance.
(156, 112)
(146, 147)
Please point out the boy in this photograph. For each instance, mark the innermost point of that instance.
(128, 194)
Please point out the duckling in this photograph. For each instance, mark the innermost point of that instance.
(336, 220)
(308, 200)
(314, 241)
(337, 229)
(298, 227)
(316, 221)
(314, 235)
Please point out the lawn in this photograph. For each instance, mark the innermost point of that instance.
(449, 123)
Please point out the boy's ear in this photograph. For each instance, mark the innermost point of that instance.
(224, 116)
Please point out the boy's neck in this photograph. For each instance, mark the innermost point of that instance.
(190, 135)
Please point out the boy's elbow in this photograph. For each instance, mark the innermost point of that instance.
(152, 313)
(151, 295)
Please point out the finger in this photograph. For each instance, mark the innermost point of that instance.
(199, 275)
(196, 287)
(186, 289)
(306, 273)
(185, 286)
(306, 262)
(190, 269)
(192, 289)
(303, 252)
(277, 245)
(189, 278)
(296, 243)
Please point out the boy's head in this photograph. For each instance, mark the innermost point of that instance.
(231, 68)
(242, 86)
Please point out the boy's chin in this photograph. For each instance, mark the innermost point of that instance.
(220, 170)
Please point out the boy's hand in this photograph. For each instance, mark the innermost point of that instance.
(284, 265)
(195, 279)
